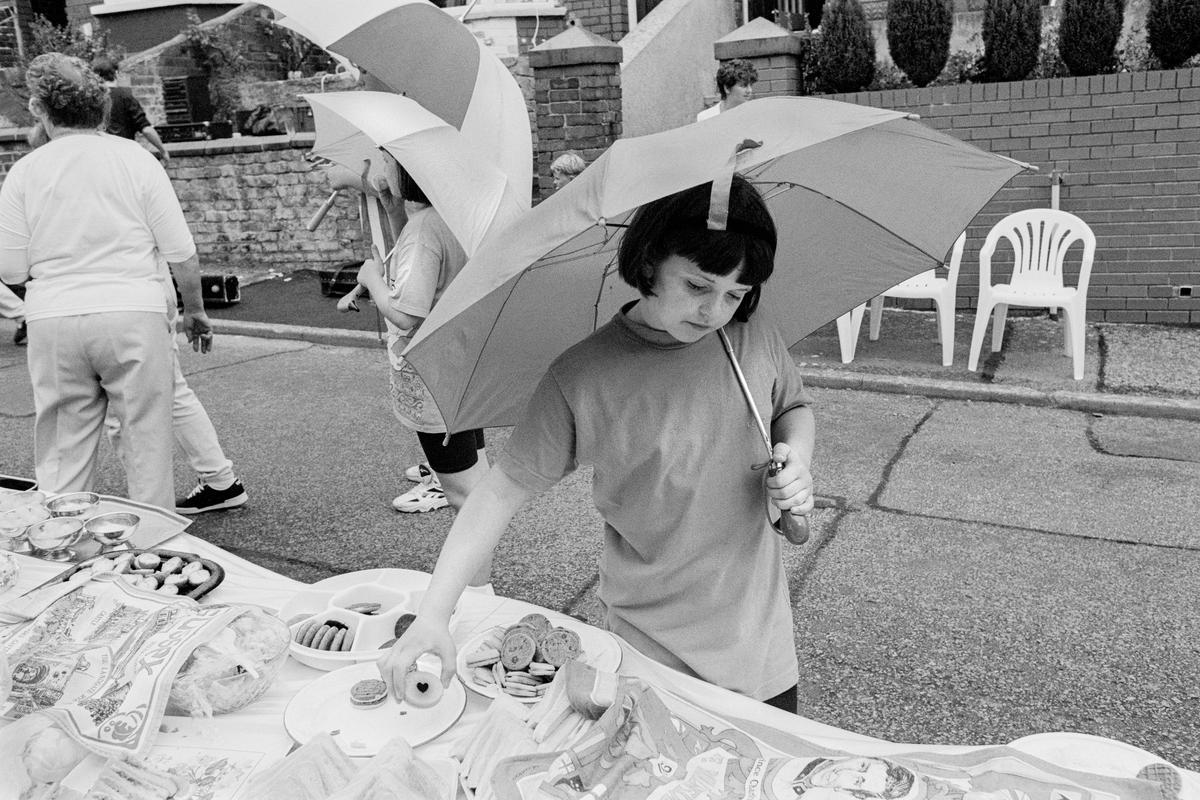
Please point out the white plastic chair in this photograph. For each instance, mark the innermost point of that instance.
(1040, 239)
(928, 286)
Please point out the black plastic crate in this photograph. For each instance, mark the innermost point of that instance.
(195, 131)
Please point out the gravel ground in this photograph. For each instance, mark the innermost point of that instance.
(1151, 359)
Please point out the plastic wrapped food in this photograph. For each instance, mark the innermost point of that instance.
(234, 669)
(9, 571)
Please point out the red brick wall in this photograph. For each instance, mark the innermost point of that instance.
(578, 108)
(607, 18)
(1129, 146)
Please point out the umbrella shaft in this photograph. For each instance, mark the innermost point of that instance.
(741, 379)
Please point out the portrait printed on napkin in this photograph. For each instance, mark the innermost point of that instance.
(100, 659)
(642, 750)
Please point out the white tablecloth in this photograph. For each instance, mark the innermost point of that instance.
(246, 582)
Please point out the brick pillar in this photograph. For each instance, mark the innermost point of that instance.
(775, 53)
(577, 91)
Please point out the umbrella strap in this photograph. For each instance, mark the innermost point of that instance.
(718, 196)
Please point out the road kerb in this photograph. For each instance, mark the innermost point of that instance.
(1093, 402)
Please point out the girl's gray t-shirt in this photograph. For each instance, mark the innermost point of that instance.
(691, 573)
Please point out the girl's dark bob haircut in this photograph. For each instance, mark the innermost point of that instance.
(409, 188)
(676, 225)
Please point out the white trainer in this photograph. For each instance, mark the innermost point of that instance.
(421, 498)
(419, 472)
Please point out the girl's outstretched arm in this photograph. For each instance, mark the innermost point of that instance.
(468, 548)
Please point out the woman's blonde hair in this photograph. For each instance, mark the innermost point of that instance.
(70, 91)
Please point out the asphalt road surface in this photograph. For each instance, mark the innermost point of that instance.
(980, 571)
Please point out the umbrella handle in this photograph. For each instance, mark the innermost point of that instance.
(790, 525)
(318, 217)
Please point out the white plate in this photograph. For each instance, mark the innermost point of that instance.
(324, 705)
(315, 597)
(600, 650)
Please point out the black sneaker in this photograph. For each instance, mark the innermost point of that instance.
(21, 335)
(206, 498)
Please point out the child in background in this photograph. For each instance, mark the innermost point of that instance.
(691, 573)
(566, 168)
(13, 307)
(427, 257)
(735, 83)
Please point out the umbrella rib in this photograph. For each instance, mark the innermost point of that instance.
(785, 185)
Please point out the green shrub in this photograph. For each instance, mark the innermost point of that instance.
(1050, 63)
(888, 76)
(1012, 34)
(46, 37)
(1088, 32)
(963, 66)
(220, 54)
(1173, 30)
(846, 50)
(919, 37)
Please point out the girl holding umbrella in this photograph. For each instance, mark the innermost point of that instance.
(691, 573)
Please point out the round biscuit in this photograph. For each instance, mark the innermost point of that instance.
(325, 640)
(335, 644)
(304, 630)
(317, 632)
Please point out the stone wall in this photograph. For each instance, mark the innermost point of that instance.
(247, 201)
(1127, 147)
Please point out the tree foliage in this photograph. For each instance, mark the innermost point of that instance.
(1173, 30)
(1088, 32)
(919, 37)
(846, 52)
(1012, 35)
(46, 37)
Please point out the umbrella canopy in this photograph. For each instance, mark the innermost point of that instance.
(470, 193)
(863, 198)
(418, 50)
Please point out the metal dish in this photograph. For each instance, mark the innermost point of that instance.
(74, 504)
(52, 538)
(14, 524)
(113, 530)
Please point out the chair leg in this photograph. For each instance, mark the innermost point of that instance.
(981, 324)
(1065, 316)
(1077, 325)
(848, 325)
(876, 317)
(999, 315)
(945, 326)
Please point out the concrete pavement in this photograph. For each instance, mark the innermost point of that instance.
(979, 571)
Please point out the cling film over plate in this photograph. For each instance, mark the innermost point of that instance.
(642, 750)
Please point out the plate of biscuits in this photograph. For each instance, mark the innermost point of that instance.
(349, 625)
(520, 660)
(353, 706)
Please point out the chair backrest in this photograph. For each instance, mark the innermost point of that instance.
(1040, 239)
(926, 279)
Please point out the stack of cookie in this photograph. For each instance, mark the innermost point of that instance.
(522, 659)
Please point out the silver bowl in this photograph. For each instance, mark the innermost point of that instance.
(15, 522)
(74, 504)
(52, 538)
(30, 497)
(113, 530)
